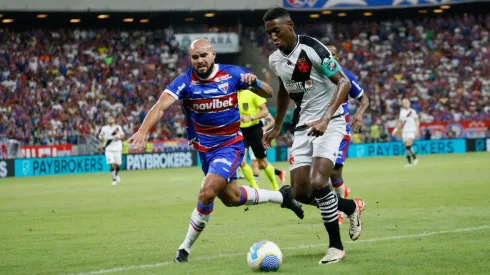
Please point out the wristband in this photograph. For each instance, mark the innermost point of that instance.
(257, 84)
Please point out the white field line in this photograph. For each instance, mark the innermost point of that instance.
(229, 255)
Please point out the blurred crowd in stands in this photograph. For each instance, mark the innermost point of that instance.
(59, 86)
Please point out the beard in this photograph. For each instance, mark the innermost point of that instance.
(206, 73)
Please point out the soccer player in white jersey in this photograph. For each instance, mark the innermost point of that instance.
(409, 120)
(310, 76)
(112, 136)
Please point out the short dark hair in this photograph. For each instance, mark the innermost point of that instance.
(276, 13)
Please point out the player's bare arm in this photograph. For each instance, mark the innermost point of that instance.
(259, 87)
(417, 133)
(282, 108)
(319, 127)
(154, 115)
(398, 126)
(264, 112)
(357, 122)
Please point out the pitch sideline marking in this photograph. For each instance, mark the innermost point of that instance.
(229, 255)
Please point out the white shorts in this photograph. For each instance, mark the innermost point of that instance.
(408, 135)
(327, 146)
(113, 157)
(251, 152)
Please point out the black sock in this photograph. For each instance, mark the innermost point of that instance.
(414, 156)
(327, 202)
(117, 170)
(347, 206)
(277, 172)
(409, 160)
(113, 174)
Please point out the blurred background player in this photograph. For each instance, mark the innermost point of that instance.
(308, 74)
(112, 136)
(252, 111)
(268, 123)
(357, 92)
(409, 120)
(209, 94)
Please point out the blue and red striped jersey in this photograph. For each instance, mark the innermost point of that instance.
(211, 106)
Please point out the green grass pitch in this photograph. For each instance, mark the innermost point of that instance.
(430, 219)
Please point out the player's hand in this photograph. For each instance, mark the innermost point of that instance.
(250, 79)
(357, 124)
(138, 140)
(393, 133)
(246, 119)
(269, 137)
(318, 127)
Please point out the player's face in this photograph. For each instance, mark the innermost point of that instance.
(111, 120)
(333, 51)
(281, 33)
(202, 61)
(406, 103)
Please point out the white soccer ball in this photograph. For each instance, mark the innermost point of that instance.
(264, 256)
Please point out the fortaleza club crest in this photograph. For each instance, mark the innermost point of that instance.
(223, 87)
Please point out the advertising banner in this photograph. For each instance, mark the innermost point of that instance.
(421, 147)
(43, 151)
(161, 160)
(228, 42)
(461, 129)
(7, 168)
(364, 4)
(60, 166)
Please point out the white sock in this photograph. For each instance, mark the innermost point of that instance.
(339, 188)
(256, 179)
(199, 218)
(257, 196)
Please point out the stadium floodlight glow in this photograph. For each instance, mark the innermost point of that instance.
(103, 16)
(342, 14)
(438, 11)
(423, 11)
(445, 7)
(209, 14)
(144, 21)
(7, 20)
(128, 20)
(1, 15)
(41, 16)
(189, 19)
(75, 20)
(368, 13)
(314, 15)
(326, 12)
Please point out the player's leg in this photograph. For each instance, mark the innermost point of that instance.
(211, 187)
(281, 174)
(117, 165)
(258, 148)
(336, 177)
(410, 148)
(325, 149)
(407, 140)
(247, 171)
(111, 161)
(255, 165)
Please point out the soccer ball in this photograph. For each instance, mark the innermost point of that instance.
(264, 256)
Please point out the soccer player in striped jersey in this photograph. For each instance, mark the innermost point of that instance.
(209, 94)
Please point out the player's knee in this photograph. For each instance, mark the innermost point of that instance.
(318, 181)
(263, 164)
(207, 196)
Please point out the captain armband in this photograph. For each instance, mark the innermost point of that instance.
(330, 67)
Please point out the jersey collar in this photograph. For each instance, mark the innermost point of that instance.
(292, 51)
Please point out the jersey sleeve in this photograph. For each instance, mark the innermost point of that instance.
(320, 56)
(356, 90)
(237, 73)
(178, 87)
